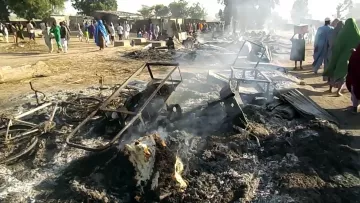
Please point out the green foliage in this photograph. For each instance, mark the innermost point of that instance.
(179, 9)
(176, 9)
(146, 11)
(299, 10)
(30, 9)
(87, 7)
(4, 11)
(197, 11)
(161, 10)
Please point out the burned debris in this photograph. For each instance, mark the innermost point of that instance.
(241, 134)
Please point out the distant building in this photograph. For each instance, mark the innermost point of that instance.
(115, 16)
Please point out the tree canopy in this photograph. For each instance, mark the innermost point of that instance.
(299, 10)
(29, 9)
(87, 7)
(4, 11)
(161, 10)
(176, 9)
(179, 9)
(146, 11)
(251, 13)
(197, 11)
(343, 8)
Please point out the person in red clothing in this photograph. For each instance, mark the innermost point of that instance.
(353, 78)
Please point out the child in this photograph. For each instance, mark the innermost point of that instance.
(298, 50)
(139, 34)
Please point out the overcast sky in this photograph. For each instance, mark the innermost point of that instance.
(319, 9)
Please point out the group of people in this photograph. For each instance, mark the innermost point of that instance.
(337, 47)
(88, 31)
(60, 33)
(194, 27)
(337, 44)
(151, 32)
(17, 30)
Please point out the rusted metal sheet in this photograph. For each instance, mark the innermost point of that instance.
(306, 106)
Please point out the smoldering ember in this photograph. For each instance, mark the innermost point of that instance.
(213, 119)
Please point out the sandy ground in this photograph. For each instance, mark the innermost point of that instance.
(84, 65)
(317, 89)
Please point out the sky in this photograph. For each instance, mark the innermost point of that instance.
(319, 9)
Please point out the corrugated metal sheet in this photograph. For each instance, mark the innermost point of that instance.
(306, 106)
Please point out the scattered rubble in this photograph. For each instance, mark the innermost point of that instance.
(281, 157)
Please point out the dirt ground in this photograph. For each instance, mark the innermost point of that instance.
(83, 66)
(317, 89)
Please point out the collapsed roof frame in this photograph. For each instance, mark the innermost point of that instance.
(266, 81)
(137, 115)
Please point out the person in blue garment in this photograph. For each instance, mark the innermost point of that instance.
(321, 45)
(100, 35)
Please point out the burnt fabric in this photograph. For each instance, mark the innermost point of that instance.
(353, 76)
(297, 50)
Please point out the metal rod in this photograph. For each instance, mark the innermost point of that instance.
(103, 105)
(263, 52)
(33, 110)
(119, 111)
(238, 54)
(120, 134)
(181, 79)
(25, 122)
(150, 72)
(9, 124)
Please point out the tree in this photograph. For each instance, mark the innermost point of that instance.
(179, 9)
(299, 10)
(87, 7)
(161, 10)
(30, 9)
(197, 11)
(146, 11)
(4, 11)
(343, 6)
(247, 12)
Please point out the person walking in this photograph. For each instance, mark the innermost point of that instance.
(92, 30)
(86, 32)
(6, 33)
(47, 37)
(80, 32)
(348, 39)
(321, 45)
(19, 32)
(127, 30)
(13, 31)
(30, 30)
(55, 30)
(156, 32)
(352, 78)
(297, 50)
(120, 31)
(65, 36)
(112, 33)
(332, 39)
(100, 35)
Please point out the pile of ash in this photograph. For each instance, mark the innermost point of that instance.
(276, 159)
(151, 55)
